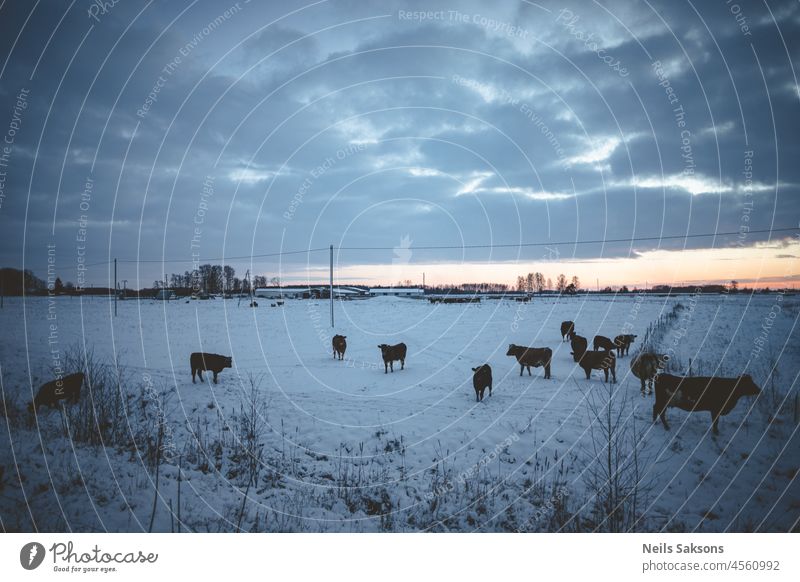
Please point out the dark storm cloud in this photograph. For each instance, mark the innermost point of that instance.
(346, 122)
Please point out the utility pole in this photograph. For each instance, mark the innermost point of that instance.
(331, 285)
(115, 287)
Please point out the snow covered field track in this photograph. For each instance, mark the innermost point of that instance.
(293, 440)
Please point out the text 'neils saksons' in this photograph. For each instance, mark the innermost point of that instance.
(664, 548)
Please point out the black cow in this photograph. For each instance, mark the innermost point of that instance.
(579, 345)
(645, 366)
(623, 343)
(201, 361)
(597, 360)
(481, 380)
(339, 343)
(567, 330)
(528, 357)
(392, 353)
(601, 342)
(715, 395)
(67, 388)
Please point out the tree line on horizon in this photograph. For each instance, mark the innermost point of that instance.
(537, 283)
(215, 279)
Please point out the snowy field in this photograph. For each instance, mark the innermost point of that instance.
(293, 440)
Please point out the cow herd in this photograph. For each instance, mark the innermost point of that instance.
(712, 394)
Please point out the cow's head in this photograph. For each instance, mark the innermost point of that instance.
(481, 368)
(746, 387)
(512, 350)
(228, 362)
(383, 348)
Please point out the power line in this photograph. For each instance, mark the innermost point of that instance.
(242, 257)
(456, 247)
(576, 242)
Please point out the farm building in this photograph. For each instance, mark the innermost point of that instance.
(397, 291)
(295, 292)
(309, 292)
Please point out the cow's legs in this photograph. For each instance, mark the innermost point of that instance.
(529, 370)
(193, 376)
(547, 372)
(490, 388)
(660, 410)
(614, 374)
(385, 367)
(605, 374)
(715, 419)
(403, 364)
(521, 369)
(215, 377)
(643, 386)
(200, 374)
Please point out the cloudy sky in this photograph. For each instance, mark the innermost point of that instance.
(167, 131)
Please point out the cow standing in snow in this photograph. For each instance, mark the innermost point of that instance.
(693, 394)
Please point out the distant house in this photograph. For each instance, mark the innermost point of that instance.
(397, 292)
(165, 294)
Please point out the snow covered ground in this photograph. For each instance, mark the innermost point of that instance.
(341, 446)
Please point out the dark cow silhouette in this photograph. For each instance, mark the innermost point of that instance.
(215, 363)
(67, 388)
(339, 343)
(645, 366)
(391, 354)
(567, 330)
(623, 343)
(579, 345)
(596, 360)
(528, 357)
(715, 395)
(601, 342)
(481, 380)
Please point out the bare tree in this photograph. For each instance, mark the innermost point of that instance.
(614, 475)
(561, 283)
(538, 282)
(576, 283)
(228, 274)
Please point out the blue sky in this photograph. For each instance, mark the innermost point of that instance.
(232, 129)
